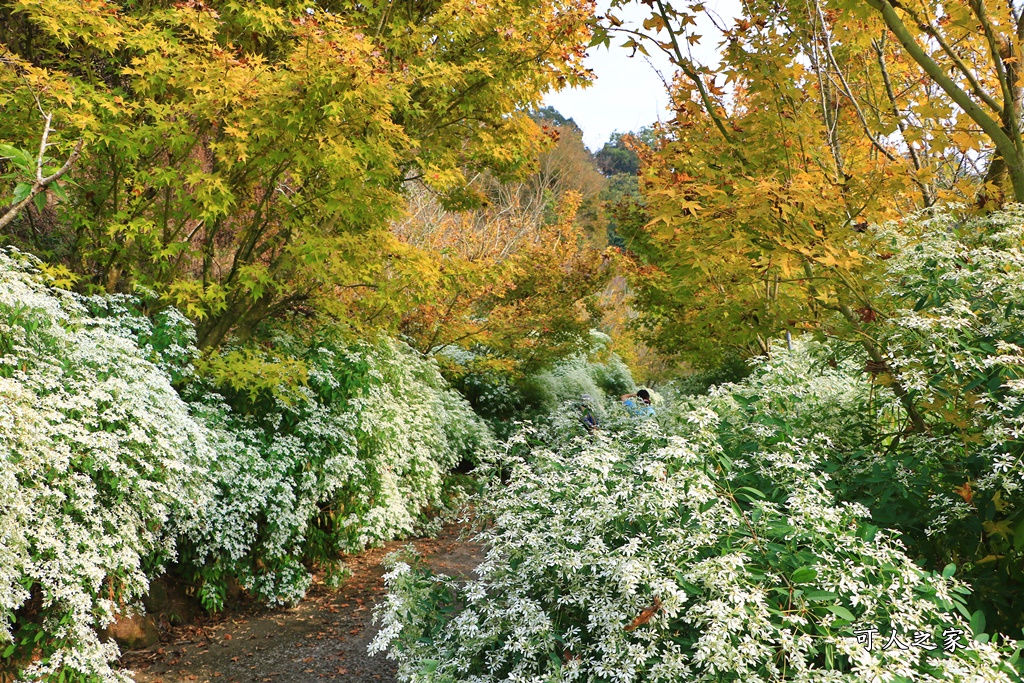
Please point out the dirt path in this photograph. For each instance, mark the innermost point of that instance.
(322, 638)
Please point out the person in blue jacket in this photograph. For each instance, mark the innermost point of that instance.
(638, 404)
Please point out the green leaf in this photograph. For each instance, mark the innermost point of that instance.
(818, 596)
(21, 192)
(429, 666)
(58, 191)
(1018, 536)
(9, 651)
(948, 570)
(600, 37)
(978, 623)
(841, 612)
(40, 201)
(804, 575)
(750, 490)
(20, 158)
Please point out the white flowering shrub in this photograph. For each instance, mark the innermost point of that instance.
(637, 556)
(108, 477)
(166, 337)
(100, 464)
(953, 330)
(503, 399)
(596, 373)
(948, 320)
(358, 458)
(812, 390)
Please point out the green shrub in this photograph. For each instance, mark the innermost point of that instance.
(503, 400)
(638, 556)
(100, 466)
(358, 458)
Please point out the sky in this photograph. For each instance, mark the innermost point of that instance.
(628, 93)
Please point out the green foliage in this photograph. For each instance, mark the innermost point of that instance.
(617, 157)
(553, 117)
(503, 399)
(101, 467)
(953, 331)
(711, 551)
(355, 456)
(21, 167)
(699, 382)
(243, 161)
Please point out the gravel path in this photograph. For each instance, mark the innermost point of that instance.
(322, 638)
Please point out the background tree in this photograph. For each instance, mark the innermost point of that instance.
(756, 194)
(245, 161)
(517, 277)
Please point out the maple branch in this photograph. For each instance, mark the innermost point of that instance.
(926, 189)
(848, 91)
(980, 11)
(687, 68)
(961, 66)
(1005, 146)
(41, 182)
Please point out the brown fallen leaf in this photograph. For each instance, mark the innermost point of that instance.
(645, 616)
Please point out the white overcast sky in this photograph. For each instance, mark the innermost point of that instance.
(627, 93)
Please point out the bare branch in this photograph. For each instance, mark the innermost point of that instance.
(41, 183)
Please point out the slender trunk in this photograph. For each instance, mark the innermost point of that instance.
(916, 419)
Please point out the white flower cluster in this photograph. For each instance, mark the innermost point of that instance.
(98, 458)
(107, 475)
(643, 556)
(957, 333)
(360, 461)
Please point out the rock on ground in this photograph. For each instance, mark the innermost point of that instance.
(322, 638)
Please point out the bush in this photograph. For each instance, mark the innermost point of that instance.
(716, 552)
(952, 327)
(357, 457)
(502, 400)
(108, 477)
(100, 464)
(599, 373)
(699, 382)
